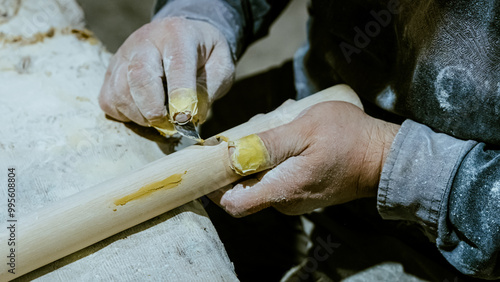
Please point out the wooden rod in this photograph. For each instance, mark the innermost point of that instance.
(110, 207)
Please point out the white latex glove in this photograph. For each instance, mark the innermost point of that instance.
(331, 154)
(192, 56)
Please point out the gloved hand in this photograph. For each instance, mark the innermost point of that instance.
(192, 57)
(331, 154)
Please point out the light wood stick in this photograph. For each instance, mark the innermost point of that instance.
(122, 202)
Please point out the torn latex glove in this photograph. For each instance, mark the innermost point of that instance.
(188, 59)
(331, 154)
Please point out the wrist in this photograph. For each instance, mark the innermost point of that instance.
(382, 135)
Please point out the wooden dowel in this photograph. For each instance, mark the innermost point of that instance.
(122, 202)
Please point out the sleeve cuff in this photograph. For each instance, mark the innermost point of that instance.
(418, 174)
(220, 14)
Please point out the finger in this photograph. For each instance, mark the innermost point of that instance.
(245, 198)
(107, 96)
(219, 71)
(117, 100)
(180, 61)
(215, 78)
(216, 195)
(276, 188)
(144, 77)
(125, 104)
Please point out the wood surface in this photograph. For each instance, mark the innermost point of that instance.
(93, 214)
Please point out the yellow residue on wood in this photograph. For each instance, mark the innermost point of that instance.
(167, 183)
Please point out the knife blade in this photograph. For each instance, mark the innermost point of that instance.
(188, 130)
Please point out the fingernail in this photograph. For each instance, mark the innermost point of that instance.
(248, 155)
(182, 118)
(182, 105)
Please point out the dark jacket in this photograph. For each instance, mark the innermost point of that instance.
(435, 63)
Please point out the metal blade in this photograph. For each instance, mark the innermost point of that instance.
(188, 130)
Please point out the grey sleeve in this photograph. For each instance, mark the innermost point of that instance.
(241, 21)
(452, 188)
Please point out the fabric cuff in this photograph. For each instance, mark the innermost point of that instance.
(417, 175)
(218, 13)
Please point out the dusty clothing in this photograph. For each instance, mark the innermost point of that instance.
(433, 62)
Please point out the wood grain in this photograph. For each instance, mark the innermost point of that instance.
(92, 215)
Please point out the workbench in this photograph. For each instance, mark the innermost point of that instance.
(56, 141)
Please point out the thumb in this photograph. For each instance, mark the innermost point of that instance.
(258, 152)
(278, 149)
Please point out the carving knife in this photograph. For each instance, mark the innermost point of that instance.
(188, 129)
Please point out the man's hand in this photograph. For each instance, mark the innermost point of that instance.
(331, 154)
(192, 57)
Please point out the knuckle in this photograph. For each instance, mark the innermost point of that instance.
(136, 64)
(143, 32)
(156, 114)
(231, 207)
(235, 214)
(233, 211)
(104, 102)
(139, 77)
(175, 21)
(142, 69)
(146, 27)
(136, 72)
